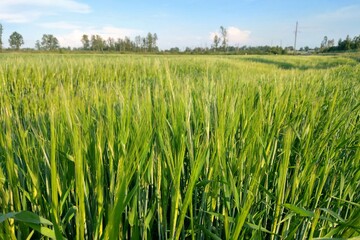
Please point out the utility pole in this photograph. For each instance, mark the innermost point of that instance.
(296, 31)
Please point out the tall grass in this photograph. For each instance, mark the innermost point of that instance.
(130, 147)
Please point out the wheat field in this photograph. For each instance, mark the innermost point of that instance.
(179, 147)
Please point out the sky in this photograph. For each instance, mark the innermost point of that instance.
(183, 23)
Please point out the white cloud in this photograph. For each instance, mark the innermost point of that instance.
(73, 39)
(60, 25)
(21, 17)
(69, 5)
(345, 13)
(182, 41)
(20, 11)
(235, 35)
(115, 32)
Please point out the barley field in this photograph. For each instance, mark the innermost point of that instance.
(179, 147)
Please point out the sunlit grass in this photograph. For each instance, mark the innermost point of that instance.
(122, 146)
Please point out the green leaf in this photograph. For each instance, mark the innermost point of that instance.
(334, 214)
(256, 227)
(299, 210)
(3, 217)
(220, 216)
(31, 220)
(69, 214)
(43, 230)
(325, 238)
(149, 217)
(29, 217)
(25, 217)
(209, 233)
(352, 203)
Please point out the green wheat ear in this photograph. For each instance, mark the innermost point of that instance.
(179, 147)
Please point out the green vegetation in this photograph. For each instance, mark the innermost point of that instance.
(16, 40)
(343, 45)
(174, 147)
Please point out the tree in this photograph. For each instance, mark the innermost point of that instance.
(224, 34)
(340, 44)
(217, 40)
(119, 44)
(128, 44)
(324, 42)
(111, 44)
(356, 42)
(347, 43)
(97, 43)
(138, 42)
(49, 42)
(143, 44)
(154, 45)
(187, 50)
(149, 42)
(37, 45)
(1, 32)
(85, 41)
(16, 40)
(331, 43)
(174, 50)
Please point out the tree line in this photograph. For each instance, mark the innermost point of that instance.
(148, 44)
(49, 42)
(139, 44)
(328, 45)
(16, 40)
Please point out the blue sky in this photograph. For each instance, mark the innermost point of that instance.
(183, 22)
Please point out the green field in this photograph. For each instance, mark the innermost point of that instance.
(175, 147)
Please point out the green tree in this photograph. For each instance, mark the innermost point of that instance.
(143, 44)
(119, 44)
(174, 50)
(149, 42)
(187, 50)
(324, 43)
(49, 42)
(97, 43)
(216, 41)
(347, 44)
(128, 44)
(37, 45)
(111, 44)
(356, 42)
(224, 35)
(138, 43)
(85, 41)
(16, 40)
(331, 43)
(340, 44)
(154, 43)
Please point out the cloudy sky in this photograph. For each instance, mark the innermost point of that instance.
(183, 22)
